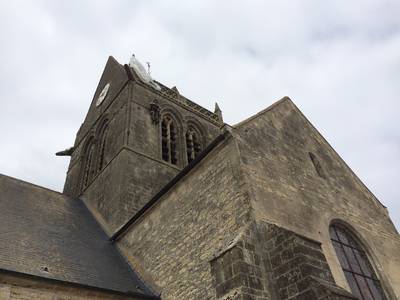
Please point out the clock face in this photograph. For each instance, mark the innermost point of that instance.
(103, 94)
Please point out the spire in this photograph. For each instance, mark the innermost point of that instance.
(218, 112)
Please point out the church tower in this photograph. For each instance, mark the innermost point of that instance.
(137, 135)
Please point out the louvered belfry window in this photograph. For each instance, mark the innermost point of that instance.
(169, 139)
(355, 264)
(193, 146)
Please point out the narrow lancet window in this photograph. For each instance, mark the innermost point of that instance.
(169, 140)
(317, 165)
(88, 161)
(193, 145)
(357, 269)
(102, 147)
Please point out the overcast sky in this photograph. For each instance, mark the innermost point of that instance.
(339, 61)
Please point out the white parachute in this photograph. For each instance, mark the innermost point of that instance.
(137, 66)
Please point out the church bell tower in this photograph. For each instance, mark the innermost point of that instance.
(137, 135)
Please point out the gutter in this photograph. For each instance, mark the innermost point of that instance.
(79, 285)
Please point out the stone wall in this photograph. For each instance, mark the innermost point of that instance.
(124, 186)
(116, 112)
(278, 170)
(281, 250)
(134, 170)
(269, 262)
(297, 265)
(305, 193)
(172, 244)
(238, 273)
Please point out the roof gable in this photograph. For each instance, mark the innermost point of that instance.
(280, 116)
(113, 80)
(291, 165)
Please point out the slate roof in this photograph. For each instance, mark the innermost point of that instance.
(47, 234)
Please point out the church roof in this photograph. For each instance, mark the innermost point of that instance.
(47, 234)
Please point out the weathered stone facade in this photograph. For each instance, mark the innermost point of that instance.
(287, 189)
(133, 166)
(268, 262)
(209, 246)
(282, 187)
(203, 210)
(195, 221)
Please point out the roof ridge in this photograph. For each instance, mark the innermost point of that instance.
(166, 188)
(78, 284)
(272, 106)
(123, 259)
(11, 178)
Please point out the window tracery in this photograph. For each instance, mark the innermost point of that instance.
(355, 264)
(193, 143)
(88, 161)
(103, 146)
(169, 140)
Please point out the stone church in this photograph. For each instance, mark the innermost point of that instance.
(163, 200)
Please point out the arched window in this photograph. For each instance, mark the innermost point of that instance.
(356, 267)
(193, 144)
(87, 164)
(169, 140)
(102, 147)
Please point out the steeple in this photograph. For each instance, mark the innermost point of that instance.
(137, 135)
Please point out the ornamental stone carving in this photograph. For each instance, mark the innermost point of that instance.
(155, 112)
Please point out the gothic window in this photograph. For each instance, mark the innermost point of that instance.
(88, 161)
(356, 267)
(169, 140)
(102, 147)
(193, 144)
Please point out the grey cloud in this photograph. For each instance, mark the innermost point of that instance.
(337, 60)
